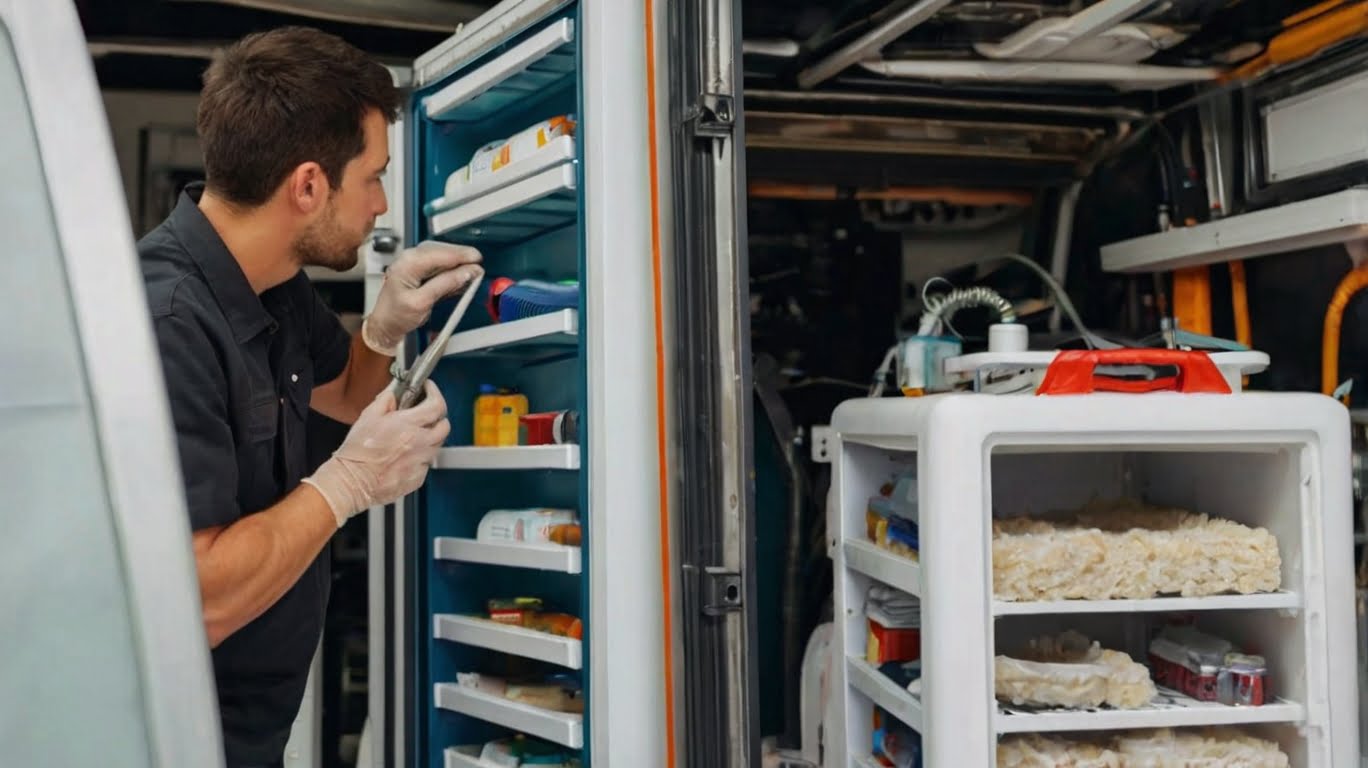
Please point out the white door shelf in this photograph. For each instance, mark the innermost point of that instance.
(513, 213)
(1169, 710)
(539, 557)
(566, 457)
(518, 641)
(1335, 218)
(533, 66)
(564, 728)
(559, 151)
(881, 690)
(549, 334)
(1288, 601)
(882, 565)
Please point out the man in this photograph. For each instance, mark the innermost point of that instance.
(293, 125)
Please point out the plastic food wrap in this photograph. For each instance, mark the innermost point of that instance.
(1071, 671)
(1162, 748)
(1128, 550)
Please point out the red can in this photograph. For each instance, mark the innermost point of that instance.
(1242, 681)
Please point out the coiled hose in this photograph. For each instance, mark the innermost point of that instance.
(942, 307)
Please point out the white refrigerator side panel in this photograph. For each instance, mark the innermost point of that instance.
(627, 702)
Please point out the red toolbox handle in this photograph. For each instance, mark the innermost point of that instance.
(1073, 372)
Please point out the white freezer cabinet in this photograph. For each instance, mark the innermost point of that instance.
(1274, 461)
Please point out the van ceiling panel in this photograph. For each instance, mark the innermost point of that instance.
(1198, 34)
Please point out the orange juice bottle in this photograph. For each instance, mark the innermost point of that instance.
(496, 416)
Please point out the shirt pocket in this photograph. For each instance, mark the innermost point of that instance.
(262, 418)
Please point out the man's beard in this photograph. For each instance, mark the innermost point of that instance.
(325, 244)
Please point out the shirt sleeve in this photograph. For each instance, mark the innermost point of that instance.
(197, 388)
(329, 342)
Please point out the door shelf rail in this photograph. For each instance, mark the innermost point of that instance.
(563, 728)
(562, 457)
(534, 66)
(554, 333)
(522, 210)
(884, 566)
(517, 641)
(881, 690)
(537, 557)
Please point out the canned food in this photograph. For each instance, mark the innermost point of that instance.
(1242, 680)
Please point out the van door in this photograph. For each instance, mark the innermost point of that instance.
(105, 659)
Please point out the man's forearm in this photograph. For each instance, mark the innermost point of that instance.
(244, 568)
(368, 373)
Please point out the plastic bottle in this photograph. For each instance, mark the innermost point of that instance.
(497, 414)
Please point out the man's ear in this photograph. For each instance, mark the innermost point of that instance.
(307, 188)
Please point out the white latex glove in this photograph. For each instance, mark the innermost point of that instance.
(422, 276)
(385, 456)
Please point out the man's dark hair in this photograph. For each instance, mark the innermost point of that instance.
(275, 100)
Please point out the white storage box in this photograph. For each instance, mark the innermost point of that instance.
(1265, 460)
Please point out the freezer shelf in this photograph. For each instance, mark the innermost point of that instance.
(529, 644)
(554, 333)
(1169, 710)
(884, 692)
(539, 557)
(1271, 601)
(534, 66)
(566, 457)
(563, 728)
(520, 211)
(882, 565)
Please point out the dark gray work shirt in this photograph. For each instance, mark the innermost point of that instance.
(239, 371)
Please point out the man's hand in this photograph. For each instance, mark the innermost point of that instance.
(385, 456)
(418, 279)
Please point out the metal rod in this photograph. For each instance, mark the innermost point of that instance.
(870, 43)
(848, 97)
(1063, 239)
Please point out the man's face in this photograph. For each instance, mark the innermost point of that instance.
(333, 239)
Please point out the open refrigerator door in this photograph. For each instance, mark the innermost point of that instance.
(516, 597)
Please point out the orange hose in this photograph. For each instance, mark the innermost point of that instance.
(1192, 299)
(1352, 283)
(1239, 304)
(1239, 300)
(1305, 40)
(662, 445)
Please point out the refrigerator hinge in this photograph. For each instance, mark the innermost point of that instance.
(721, 591)
(713, 116)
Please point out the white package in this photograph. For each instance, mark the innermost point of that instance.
(1071, 671)
(1162, 748)
(1128, 550)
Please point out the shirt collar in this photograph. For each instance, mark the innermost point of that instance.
(246, 314)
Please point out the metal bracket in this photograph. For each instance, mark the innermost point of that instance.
(714, 116)
(821, 443)
(722, 592)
